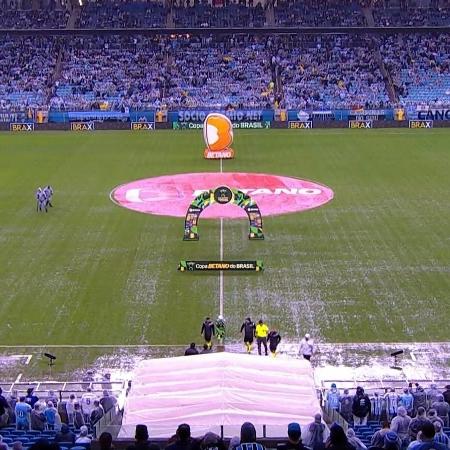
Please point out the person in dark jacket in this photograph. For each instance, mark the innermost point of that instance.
(65, 435)
(141, 439)
(183, 440)
(78, 418)
(208, 331)
(420, 398)
(248, 438)
(360, 407)
(274, 339)
(338, 439)
(192, 350)
(417, 423)
(212, 441)
(446, 394)
(294, 439)
(248, 327)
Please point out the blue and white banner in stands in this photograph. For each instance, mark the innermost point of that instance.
(82, 116)
(433, 114)
(19, 116)
(238, 115)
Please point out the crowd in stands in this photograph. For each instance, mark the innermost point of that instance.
(318, 72)
(420, 67)
(233, 15)
(412, 16)
(319, 13)
(410, 418)
(112, 71)
(67, 420)
(314, 72)
(27, 65)
(119, 14)
(325, 72)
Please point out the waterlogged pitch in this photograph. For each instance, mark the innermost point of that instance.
(371, 265)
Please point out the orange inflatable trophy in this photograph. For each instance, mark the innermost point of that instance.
(218, 135)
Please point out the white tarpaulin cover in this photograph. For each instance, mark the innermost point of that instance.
(215, 389)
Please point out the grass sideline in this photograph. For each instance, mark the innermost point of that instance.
(372, 265)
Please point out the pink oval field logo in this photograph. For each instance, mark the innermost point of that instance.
(170, 195)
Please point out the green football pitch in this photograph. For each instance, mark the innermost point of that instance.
(373, 265)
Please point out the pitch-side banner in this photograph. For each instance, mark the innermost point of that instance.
(238, 115)
(202, 266)
(420, 124)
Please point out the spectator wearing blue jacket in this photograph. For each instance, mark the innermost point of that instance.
(333, 397)
(50, 415)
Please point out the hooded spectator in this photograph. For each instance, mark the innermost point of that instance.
(315, 434)
(105, 441)
(65, 435)
(354, 440)
(248, 438)
(400, 425)
(184, 441)
(361, 407)
(211, 441)
(338, 440)
(37, 419)
(446, 394)
(392, 441)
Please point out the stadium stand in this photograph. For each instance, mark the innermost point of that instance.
(27, 65)
(119, 14)
(322, 72)
(233, 15)
(317, 13)
(223, 71)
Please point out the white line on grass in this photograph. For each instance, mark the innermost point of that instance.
(221, 257)
(18, 378)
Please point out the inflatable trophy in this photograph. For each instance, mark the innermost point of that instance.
(218, 135)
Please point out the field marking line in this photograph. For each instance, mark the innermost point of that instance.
(18, 378)
(89, 346)
(28, 357)
(221, 257)
(320, 345)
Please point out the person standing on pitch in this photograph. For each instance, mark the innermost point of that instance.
(306, 347)
(208, 331)
(274, 339)
(261, 332)
(37, 195)
(220, 329)
(48, 191)
(249, 332)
